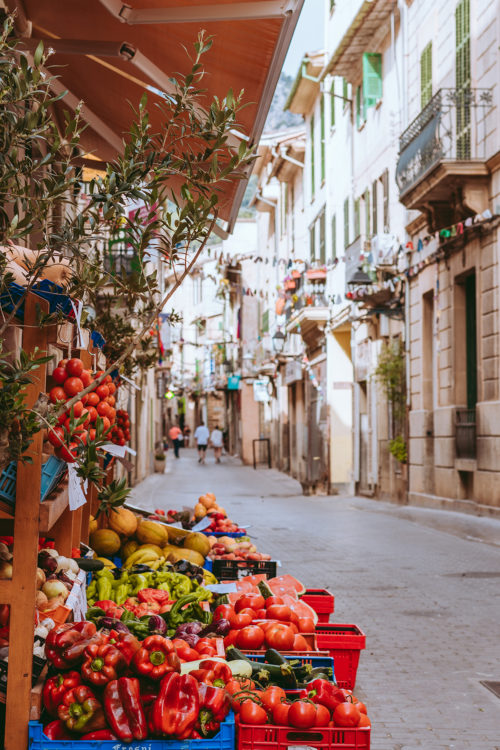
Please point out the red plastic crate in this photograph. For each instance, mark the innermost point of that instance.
(344, 643)
(322, 601)
(267, 737)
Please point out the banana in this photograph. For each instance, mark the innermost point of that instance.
(141, 557)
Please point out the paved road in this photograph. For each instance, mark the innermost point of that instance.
(423, 585)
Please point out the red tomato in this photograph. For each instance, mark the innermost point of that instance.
(279, 612)
(72, 386)
(252, 713)
(81, 437)
(300, 643)
(346, 715)
(272, 697)
(92, 435)
(183, 649)
(102, 391)
(230, 638)
(364, 722)
(67, 453)
(102, 409)
(306, 625)
(111, 388)
(57, 394)
(85, 399)
(62, 363)
(260, 614)
(250, 638)
(111, 414)
(241, 621)
(85, 413)
(77, 409)
(252, 601)
(322, 716)
(361, 707)
(237, 685)
(62, 418)
(224, 612)
(93, 399)
(106, 424)
(110, 400)
(247, 611)
(86, 378)
(273, 600)
(206, 644)
(74, 367)
(56, 436)
(302, 714)
(280, 637)
(92, 413)
(59, 375)
(280, 714)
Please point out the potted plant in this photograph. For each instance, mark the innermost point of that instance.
(160, 461)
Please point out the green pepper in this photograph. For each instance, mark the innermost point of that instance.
(176, 616)
(136, 583)
(121, 593)
(104, 589)
(164, 576)
(92, 589)
(94, 612)
(105, 573)
(165, 587)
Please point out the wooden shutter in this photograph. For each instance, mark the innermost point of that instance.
(346, 222)
(366, 199)
(385, 205)
(426, 75)
(372, 78)
(332, 104)
(334, 237)
(357, 219)
(374, 208)
(312, 155)
(322, 136)
(322, 237)
(312, 242)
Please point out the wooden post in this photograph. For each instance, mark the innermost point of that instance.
(22, 598)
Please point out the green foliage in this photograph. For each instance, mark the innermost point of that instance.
(398, 449)
(390, 373)
(112, 496)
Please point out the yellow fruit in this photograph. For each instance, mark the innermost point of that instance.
(198, 543)
(105, 542)
(186, 554)
(107, 563)
(93, 525)
(207, 500)
(150, 532)
(141, 556)
(176, 535)
(122, 521)
(153, 547)
(129, 548)
(200, 511)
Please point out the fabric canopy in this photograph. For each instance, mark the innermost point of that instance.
(109, 52)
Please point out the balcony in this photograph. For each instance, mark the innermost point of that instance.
(309, 311)
(441, 168)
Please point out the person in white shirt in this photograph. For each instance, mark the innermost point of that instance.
(201, 435)
(216, 442)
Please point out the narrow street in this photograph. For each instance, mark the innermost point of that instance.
(422, 585)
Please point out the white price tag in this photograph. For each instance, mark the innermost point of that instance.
(130, 450)
(222, 588)
(75, 491)
(202, 524)
(137, 387)
(114, 450)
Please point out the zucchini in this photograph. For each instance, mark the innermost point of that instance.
(89, 565)
(233, 653)
(274, 657)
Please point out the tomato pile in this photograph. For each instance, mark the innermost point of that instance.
(120, 431)
(77, 425)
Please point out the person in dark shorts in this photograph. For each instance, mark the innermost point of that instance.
(201, 435)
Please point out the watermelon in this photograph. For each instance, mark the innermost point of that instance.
(286, 583)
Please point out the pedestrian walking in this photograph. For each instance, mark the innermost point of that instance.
(187, 436)
(216, 443)
(201, 435)
(174, 434)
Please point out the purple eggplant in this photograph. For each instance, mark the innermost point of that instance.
(112, 623)
(219, 628)
(189, 628)
(157, 625)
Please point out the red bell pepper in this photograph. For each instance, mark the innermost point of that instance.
(156, 658)
(175, 711)
(124, 711)
(214, 707)
(110, 608)
(56, 730)
(141, 609)
(206, 647)
(153, 596)
(213, 673)
(80, 711)
(55, 688)
(127, 643)
(101, 664)
(326, 693)
(66, 643)
(101, 734)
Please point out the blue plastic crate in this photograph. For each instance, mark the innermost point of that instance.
(208, 564)
(225, 740)
(230, 534)
(52, 471)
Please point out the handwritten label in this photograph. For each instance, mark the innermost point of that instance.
(202, 524)
(75, 490)
(222, 588)
(114, 450)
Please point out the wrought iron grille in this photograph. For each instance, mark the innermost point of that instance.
(452, 126)
(465, 433)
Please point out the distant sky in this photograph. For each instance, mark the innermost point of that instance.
(309, 35)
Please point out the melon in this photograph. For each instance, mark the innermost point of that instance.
(129, 548)
(150, 532)
(159, 551)
(186, 554)
(197, 542)
(122, 521)
(105, 542)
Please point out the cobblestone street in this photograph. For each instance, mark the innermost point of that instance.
(422, 585)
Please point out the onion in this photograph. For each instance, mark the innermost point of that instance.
(5, 570)
(41, 600)
(51, 589)
(40, 578)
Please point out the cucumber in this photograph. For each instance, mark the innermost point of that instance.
(89, 565)
(274, 657)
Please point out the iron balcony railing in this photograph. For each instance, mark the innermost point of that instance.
(452, 126)
(465, 433)
(313, 294)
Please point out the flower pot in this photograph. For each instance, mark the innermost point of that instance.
(160, 465)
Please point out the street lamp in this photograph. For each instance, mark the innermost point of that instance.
(278, 341)
(359, 278)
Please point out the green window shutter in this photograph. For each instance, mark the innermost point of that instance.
(345, 91)
(385, 205)
(312, 243)
(312, 155)
(346, 222)
(366, 199)
(372, 79)
(334, 237)
(322, 136)
(463, 79)
(357, 219)
(265, 322)
(374, 208)
(322, 238)
(426, 75)
(332, 104)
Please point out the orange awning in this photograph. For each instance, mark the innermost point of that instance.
(109, 52)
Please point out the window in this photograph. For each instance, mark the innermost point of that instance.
(346, 222)
(312, 156)
(332, 104)
(366, 200)
(463, 78)
(322, 136)
(359, 108)
(372, 79)
(426, 75)
(374, 208)
(357, 219)
(334, 237)
(322, 237)
(385, 199)
(312, 243)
